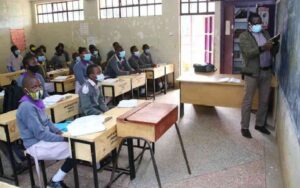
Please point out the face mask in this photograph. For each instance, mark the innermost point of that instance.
(17, 52)
(100, 77)
(95, 53)
(33, 69)
(147, 51)
(77, 58)
(87, 57)
(256, 28)
(38, 95)
(137, 53)
(122, 54)
(41, 58)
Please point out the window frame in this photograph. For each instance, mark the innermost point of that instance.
(80, 11)
(198, 2)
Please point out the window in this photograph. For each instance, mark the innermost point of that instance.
(59, 12)
(129, 8)
(194, 7)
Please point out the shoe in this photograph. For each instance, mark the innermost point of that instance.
(59, 184)
(263, 130)
(246, 133)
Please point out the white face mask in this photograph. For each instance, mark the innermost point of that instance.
(100, 77)
(137, 53)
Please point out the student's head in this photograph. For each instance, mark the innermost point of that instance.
(30, 64)
(40, 55)
(93, 50)
(146, 48)
(43, 48)
(58, 50)
(14, 49)
(120, 52)
(61, 46)
(115, 44)
(135, 51)
(32, 88)
(94, 73)
(75, 57)
(255, 23)
(84, 54)
(32, 48)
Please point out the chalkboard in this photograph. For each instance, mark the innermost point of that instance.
(288, 62)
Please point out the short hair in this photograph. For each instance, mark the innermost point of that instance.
(145, 46)
(13, 48)
(253, 15)
(31, 45)
(74, 55)
(27, 79)
(92, 47)
(43, 47)
(27, 58)
(81, 49)
(132, 48)
(61, 45)
(90, 69)
(116, 44)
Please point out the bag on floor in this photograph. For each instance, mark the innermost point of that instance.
(204, 68)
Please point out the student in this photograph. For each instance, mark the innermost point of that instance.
(31, 66)
(117, 65)
(42, 140)
(146, 56)
(96, 57)
(80, 68)
(111, 53)
(61, 47)
(14, 62)
(31, 51)
(75, 59)
(41, 59)
(58, 60)
(135, 61)
(90, 95)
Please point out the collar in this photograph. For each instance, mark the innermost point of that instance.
(92, 82)
(38, 103)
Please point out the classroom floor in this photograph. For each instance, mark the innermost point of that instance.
(219, 156)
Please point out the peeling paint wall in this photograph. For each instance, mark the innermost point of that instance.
(14, 14)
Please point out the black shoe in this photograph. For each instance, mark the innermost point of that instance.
(59, 184)
(246, 133)
(262, 130)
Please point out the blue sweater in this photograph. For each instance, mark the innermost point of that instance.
(80, 72)
(34, 125)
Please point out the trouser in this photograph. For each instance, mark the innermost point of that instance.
(263, 83)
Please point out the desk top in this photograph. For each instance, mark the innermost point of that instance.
(70, 78)
(8, 74)
(132, 76)
(58, 71)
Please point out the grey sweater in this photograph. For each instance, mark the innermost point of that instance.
(34, 125)
(137, 64)
(146, 59)
(116, 67)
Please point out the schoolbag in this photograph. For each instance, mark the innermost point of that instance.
(13, 93)
(204, 68)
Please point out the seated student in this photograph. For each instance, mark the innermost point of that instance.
(118, 65)
(58, 60)
(91, 100)
(111, 53)
(96, 57)
(146, 57)
(42, 140)
(80, 68)
(41, 59)
(14, 62)
(75, 59)
(135, 61)
(31, 51)
(31, 66)
(61, 47)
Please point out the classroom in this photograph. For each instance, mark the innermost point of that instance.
(149, 93)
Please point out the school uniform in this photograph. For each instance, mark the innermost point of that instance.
(14, 63)
(80, 73)
(96, 59)
(58, 61)
(136, 63)
(38, 76)
(110, 54)
(146, 59)
(117, 67)
(91, 100)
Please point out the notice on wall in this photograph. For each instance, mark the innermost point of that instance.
(18, 38)
(84, 29)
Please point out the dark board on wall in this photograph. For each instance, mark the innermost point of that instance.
(288, 61)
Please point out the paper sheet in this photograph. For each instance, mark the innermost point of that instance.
(128, 103)
(2, 93)
(230, 80)
(60, 78)
(48, 101)
(109, 81)
(87, 125)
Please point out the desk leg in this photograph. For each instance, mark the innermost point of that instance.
(153, 82)
(113, 95)
(44, 173)
(131, 158)
(94, 164)
(154, 163)
(12, 160)
(173, 80)
(146, 90)
(55, 87)
(165, 84)
(1, 168)
(75, 170)
(181, 109)
(32, 182)
(183, 150)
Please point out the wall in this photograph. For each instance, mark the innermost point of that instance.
(14, 14)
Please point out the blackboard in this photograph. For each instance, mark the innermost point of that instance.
(288, 61)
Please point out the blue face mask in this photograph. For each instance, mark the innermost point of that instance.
(17, 52)
(77, 58)
(256, 28)
(87, 57)
(122, 54)
(41, 58)
(100, 77)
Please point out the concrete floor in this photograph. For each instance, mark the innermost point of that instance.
(219, 156)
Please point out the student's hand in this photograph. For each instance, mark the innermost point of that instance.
(267, 46)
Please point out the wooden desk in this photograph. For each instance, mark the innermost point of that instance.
(6, 185)
(64, 86)
(155, 73)
(209, 90)
(137, 81)
(170, 70)
(6, 78)
(58, 72)
(117, 87)
(94, 147)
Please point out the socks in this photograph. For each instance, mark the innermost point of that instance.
(59, 176)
